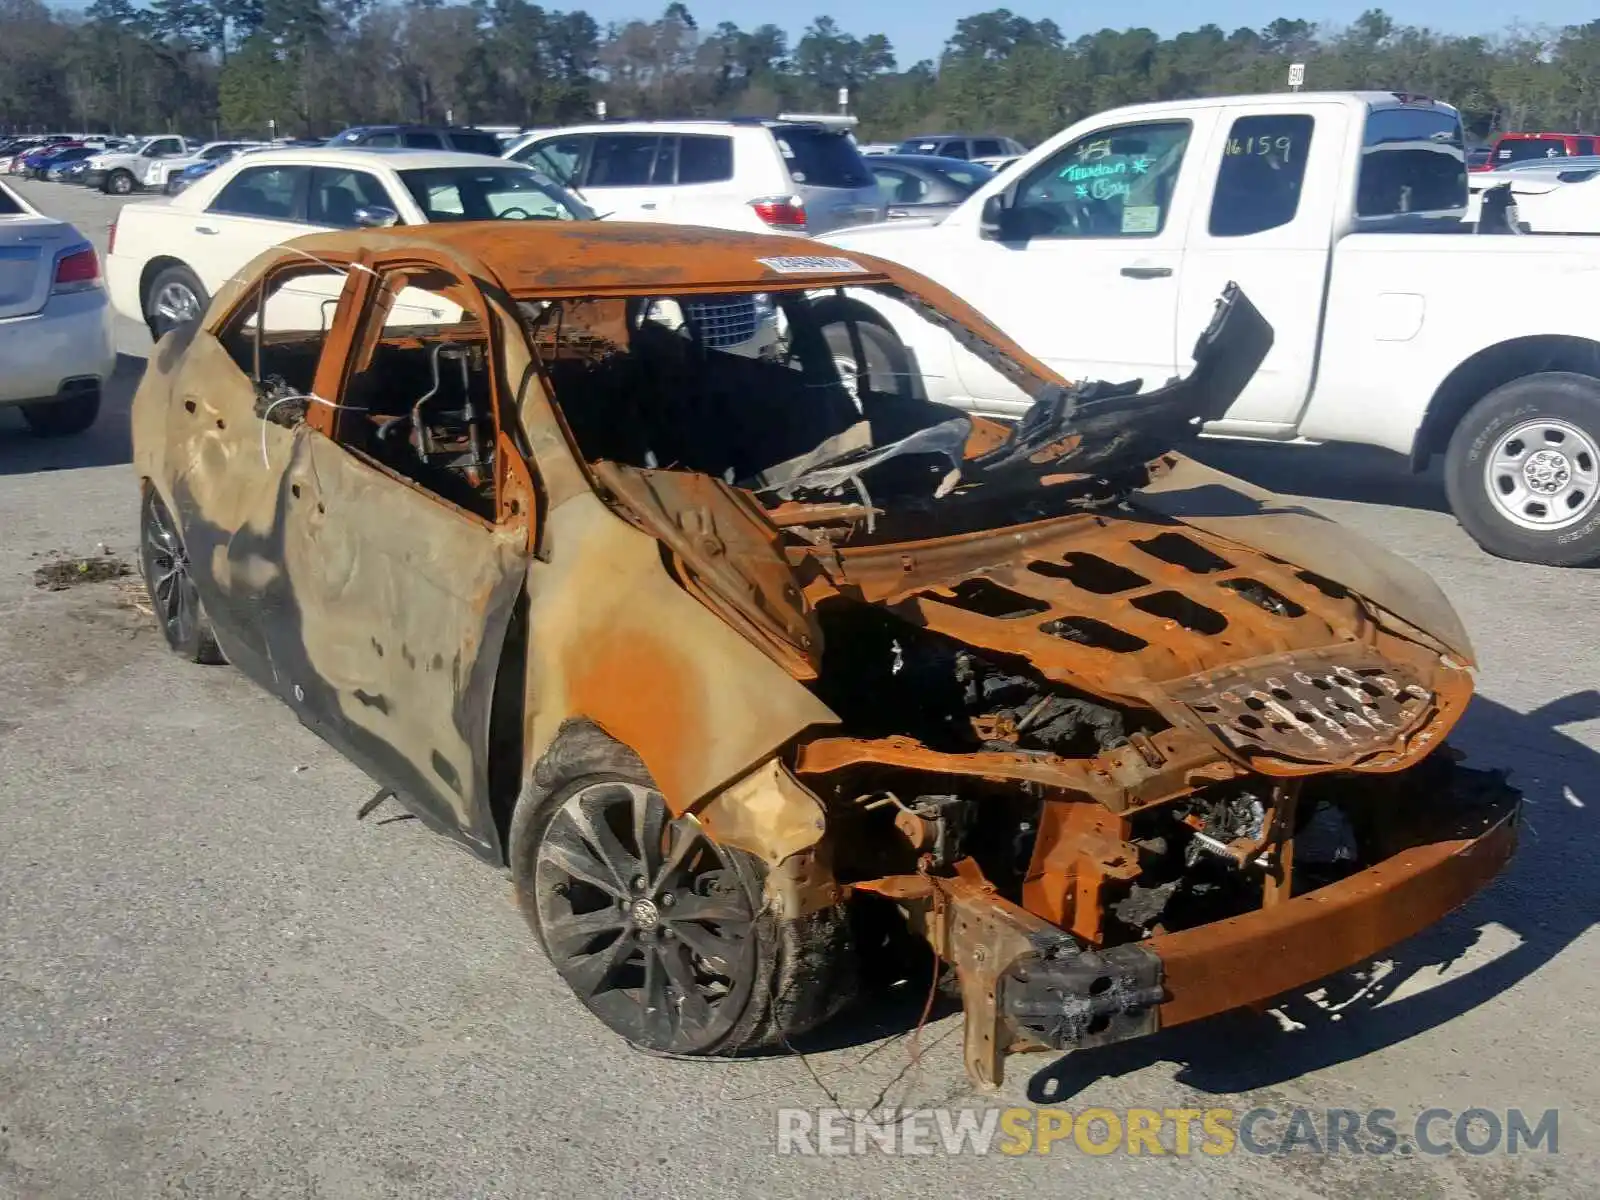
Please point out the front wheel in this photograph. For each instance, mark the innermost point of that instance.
(660, 931)
(120, 183)
(1523, 470)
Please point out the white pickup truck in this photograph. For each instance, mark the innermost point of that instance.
(1340, 216)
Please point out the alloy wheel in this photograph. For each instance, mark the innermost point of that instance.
(166, 574)
(647, 919)
(174, 305)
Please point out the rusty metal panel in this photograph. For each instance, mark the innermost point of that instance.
(1234, 962)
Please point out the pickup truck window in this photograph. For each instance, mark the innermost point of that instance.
(1412, 161)
(268, 192)
(1263, 165)
(1523, 149)
(1110, 183)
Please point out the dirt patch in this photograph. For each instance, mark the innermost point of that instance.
(59, 574)
(130, 591)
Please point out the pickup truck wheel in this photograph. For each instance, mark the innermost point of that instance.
(868, 354)
(119, 182)
(662, 932)
(1523, 470)
(175, 298)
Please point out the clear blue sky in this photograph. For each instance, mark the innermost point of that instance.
(918, 28)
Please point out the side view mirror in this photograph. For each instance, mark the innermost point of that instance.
(995, 218)
(375, 216)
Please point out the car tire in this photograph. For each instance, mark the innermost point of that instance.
(869, 354)
(62, 418)
(727, 975)
(1523, 470)
(120, 183)
(164, 565)
(165, 306)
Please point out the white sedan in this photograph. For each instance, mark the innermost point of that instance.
(55, 325)
(169, 257)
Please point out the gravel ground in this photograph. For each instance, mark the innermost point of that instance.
(214, 981)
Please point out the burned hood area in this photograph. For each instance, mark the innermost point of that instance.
(1106, 709)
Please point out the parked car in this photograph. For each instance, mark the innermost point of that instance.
(916, 185)
(162, 170)
(27, 164)
(419, 137)
(713, 657)
(71, 172)
(960, 145)
(47, 166)
(15, 162)
(120, 172)
(169, 257)
(760, 176)
(1101, 249)
(55, 324)
(1511, 148)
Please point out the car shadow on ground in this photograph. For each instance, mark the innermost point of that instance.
(1364, 474)
(1542, 902)
(107, 443)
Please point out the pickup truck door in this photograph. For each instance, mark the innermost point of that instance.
(1084, 272)
(1265, 222)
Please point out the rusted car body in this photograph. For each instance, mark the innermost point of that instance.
(714, 651)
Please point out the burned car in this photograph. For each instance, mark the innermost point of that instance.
(633, 558)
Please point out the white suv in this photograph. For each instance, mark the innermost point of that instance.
(763, 176)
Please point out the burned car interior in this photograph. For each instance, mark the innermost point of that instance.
(1119, 761)
(418, 395)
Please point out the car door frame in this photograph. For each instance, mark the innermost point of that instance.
(355, 654)
(213, 439)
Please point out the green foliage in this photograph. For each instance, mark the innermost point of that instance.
(316, 65)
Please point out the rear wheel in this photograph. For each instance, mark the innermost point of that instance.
(1523, 470)
(164, 562)
(175, 298)
(662, 932)
(63, 418)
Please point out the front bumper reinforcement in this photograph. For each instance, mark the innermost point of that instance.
(1026, 985)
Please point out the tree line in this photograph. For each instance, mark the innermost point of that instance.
(242, 67)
